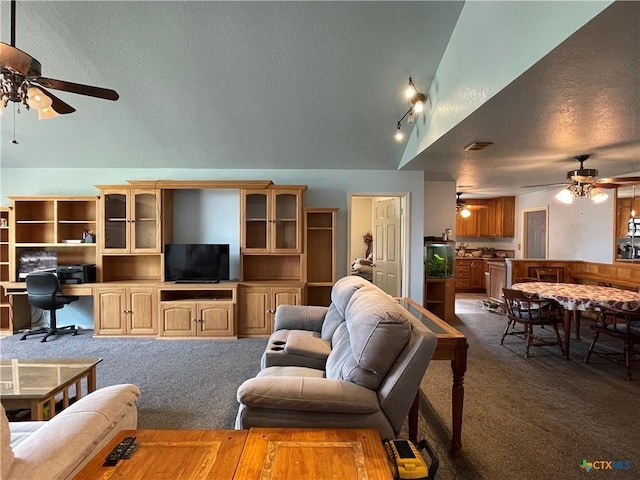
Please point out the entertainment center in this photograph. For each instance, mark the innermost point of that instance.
(286, 255)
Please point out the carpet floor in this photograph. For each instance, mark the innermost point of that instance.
(535, 418)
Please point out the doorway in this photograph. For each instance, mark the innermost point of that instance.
(384, 218)
(535, 232)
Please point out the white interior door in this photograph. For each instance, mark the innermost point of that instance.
(387, 270)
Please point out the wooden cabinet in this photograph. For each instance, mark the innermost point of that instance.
(52, 223)
(502, 217)
(624, 209)
(497, 280)
(258, 306)
(130, 220)
(271, 220)
(6, 327)
(469, 274)
(439, 297)
(201, 319)
(125, 311)
(320, 249)
(467, 227)
(497, 220)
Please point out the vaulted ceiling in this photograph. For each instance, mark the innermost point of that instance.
(306, 85)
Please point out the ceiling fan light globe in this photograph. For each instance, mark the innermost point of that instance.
(565, 196)
(37, 99)
(410, 91)
(47, 113)
(465, 213)
(598, 195)
(398, 136)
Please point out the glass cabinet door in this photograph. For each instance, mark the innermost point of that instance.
(116, 226)
(286, 221)
(256, 220)
(145, 221)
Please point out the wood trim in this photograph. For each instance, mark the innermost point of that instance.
(200, 184)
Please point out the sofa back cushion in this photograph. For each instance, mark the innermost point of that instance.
(341, 293)
(6, 453)
(365, 346)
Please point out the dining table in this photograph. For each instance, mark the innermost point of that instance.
(576, 297)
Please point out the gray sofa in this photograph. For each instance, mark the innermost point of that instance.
(59, 448)
(377, 358)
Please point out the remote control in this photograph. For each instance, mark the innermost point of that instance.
(120, 451)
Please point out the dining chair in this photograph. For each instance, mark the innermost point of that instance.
(548, 274)
(620, 324)
(530, 311)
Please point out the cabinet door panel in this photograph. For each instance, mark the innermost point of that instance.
(142, 311)
(115, 229)
(216, 319)
(254, 303)
(255, 221)
(110, 312)
(178, 319)
(146, 227)
(289, 296)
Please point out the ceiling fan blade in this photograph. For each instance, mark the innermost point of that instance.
(615, 181)
(471, 206)
(546, 185)
(58, 105)
(78, 88)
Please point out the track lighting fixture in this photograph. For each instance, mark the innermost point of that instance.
(417, 101)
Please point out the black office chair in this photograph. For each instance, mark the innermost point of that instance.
(43, 291)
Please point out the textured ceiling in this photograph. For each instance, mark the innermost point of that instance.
(314, 85)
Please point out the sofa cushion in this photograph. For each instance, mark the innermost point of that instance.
(6, 453)
(341, 294)
(377, 330)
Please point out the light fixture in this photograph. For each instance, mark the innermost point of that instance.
(581, 189)
(399, 135)
(465, 212)
(417, 103)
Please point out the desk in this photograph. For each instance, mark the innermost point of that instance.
(39, 381)
(574, 297)
(452, 345)
(256, 454)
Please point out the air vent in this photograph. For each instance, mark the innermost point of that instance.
(477, 146)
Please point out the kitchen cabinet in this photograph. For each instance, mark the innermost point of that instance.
(130, 220)
(125, 311)
(470, 274)
(497, 220)
(203, 318)
(258, 307)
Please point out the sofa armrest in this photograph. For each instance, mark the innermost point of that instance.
(67, 441)
(299, 317)
(308, 394)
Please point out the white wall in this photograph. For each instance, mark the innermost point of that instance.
(439, 208)
(327, 188)
(580, 231)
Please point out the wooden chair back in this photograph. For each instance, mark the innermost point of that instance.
(548, 274)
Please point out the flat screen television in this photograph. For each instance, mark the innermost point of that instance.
(196, 262)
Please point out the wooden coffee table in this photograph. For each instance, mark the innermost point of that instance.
(256, 454)
(36, 383)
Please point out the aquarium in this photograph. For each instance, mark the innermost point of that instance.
(439, 259)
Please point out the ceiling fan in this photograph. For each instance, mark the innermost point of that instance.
(22, 82)
(463, 208)
(589, 176)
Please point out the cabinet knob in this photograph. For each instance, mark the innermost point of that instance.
(195, 320)
(270, 312)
